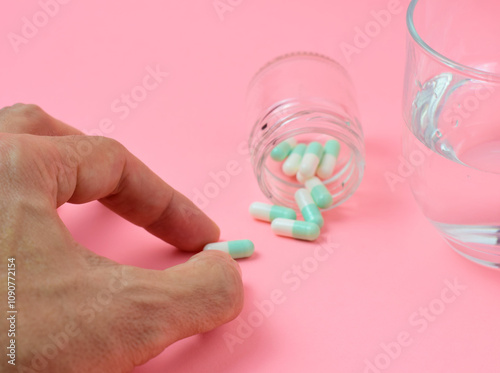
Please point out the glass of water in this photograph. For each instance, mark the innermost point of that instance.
(451, 107)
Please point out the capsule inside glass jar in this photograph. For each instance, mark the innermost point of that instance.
(304, 98)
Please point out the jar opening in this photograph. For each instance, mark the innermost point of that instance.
(305, 126)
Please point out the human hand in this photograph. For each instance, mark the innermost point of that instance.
(77, 311)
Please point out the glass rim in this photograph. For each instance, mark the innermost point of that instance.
(477, 73)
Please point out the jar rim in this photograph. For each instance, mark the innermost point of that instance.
(295, 55)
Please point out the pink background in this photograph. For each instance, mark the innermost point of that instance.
(387, 263)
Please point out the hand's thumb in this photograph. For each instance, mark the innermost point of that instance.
(190, 298)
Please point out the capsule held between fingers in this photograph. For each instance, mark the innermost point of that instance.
(237, 249)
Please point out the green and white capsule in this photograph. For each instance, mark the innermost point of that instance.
(267, 212)
(319, 193)
(308, 208)
(283, 149)
(292, 163)
(311, 160)
(329, 160)
(301, 230)
(237, 249)
(300, 178)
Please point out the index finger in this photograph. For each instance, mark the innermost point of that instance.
(111, 174)
(90, 168)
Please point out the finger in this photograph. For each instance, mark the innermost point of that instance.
(98, 168)
(118, 179)
(31, 119)
(191, 298)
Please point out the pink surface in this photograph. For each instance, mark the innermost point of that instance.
(369, 300)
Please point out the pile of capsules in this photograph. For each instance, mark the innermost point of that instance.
(309, 164)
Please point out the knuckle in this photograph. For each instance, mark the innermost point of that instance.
(30, 111)
(112, 143)
(110, 146)
(22, 118)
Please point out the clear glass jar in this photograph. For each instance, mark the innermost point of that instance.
(309, 97)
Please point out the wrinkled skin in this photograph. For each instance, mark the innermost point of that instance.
(77, 311)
